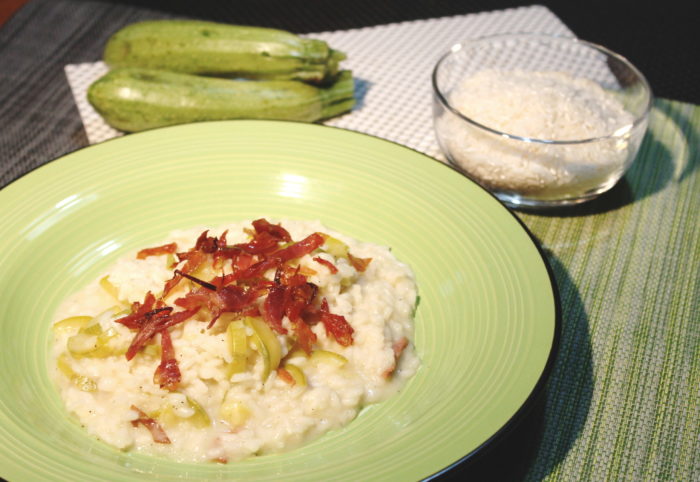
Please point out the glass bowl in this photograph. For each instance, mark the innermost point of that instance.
(538, 120)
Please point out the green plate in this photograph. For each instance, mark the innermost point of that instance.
(487, 323)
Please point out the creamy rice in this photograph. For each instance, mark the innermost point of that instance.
(216, 414)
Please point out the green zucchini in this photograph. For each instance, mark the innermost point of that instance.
(222, 50)
(132, 99)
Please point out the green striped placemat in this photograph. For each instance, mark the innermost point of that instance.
(623, 400)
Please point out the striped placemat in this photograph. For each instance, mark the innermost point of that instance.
(623, 401)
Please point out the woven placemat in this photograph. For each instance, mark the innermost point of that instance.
(623, 401)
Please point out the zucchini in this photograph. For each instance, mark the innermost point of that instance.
(222, 50)
(132, 99)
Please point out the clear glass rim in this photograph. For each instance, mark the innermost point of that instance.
(618, 133)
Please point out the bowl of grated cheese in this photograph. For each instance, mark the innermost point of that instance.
(540, 121)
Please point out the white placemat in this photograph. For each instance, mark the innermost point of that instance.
(392, 65)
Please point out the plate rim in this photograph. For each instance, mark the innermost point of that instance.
(538, 389)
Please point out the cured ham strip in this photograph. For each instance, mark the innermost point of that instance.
(264, 226)
(170, 284)
(157, 432)
(398, 347)
(336, 325)
(285, 376)
(304, 336)
(243, 261)
(157, 251)
(206, 244)
(136, 319)
(298, 298)
(153, 324)
(273, 308)
(263, 242)
(360, 264)
(224, 251)
(193, 259)
(277, 258)
(291, 295)
(253, 271)
(331, 267)
(167, 374)
(230, 298)
(299, 249)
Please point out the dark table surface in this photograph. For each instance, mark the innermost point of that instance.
(40, 124)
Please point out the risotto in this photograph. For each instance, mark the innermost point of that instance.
(250, 339)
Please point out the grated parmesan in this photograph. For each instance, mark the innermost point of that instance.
(538, 105)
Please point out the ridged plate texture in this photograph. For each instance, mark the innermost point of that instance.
(486, 324)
